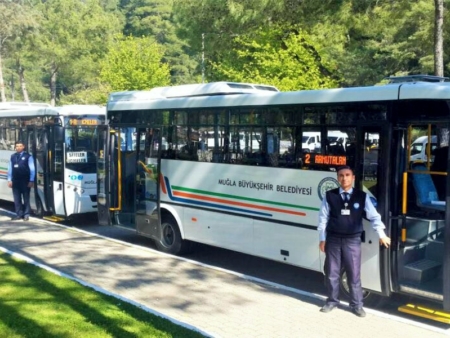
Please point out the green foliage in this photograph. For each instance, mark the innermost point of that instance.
(134, 64)
(153, 18)
(287, 59)
(364, 40)
(94, 94)
(18, 25)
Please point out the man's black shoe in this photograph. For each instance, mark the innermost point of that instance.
(359, 311)
(327, 308)
(26, 218)
(15, 218)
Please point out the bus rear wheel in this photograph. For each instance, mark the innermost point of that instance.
(171, 241)
(369, 298)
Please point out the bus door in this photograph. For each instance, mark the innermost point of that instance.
(147, 182)
(422, 238)
(56, 172)
(120, 175)
(369, 175)
(104, 164)
(38, 147)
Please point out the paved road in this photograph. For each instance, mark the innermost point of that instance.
(219, 303)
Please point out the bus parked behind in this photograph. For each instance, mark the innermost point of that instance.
(63, 142)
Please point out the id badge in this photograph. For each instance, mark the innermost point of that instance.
(16, 166)
(345, 212)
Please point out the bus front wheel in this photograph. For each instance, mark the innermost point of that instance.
(171, 241)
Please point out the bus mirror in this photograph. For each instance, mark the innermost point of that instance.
(59, 134)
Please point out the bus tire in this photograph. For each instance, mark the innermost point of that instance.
(369, 298)
(171, 241)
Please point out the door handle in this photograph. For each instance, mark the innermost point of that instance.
(60, 186)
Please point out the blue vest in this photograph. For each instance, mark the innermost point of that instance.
(345, 225)
(20, 168)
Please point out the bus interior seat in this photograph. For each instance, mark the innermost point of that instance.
(426, 194)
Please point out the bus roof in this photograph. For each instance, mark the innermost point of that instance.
(192, 90)
(47, 110)
(21, 105)
(415, 78)
(136, 100)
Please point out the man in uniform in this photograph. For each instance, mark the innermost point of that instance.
(340, 228)
(21, 173)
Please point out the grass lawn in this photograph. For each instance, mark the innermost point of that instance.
(38, 303)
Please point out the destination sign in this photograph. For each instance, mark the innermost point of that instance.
(325, 160)
(83, 122)
(76, 157)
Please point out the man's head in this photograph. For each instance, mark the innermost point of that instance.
(20, 146)
(345, 177)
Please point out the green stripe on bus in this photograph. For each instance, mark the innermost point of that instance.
(174, 187)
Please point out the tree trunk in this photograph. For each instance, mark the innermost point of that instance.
(23, 85)
(53, 77)
(2, 82)
(438, 38)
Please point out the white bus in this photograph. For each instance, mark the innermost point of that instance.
(63, 142)
(265, 201)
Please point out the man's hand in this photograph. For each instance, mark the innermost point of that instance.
(385, 241)
(30, 184)
(322, 246)
(10, 184)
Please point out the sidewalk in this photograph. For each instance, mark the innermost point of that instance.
(214, 301)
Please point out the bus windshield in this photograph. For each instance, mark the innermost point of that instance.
(81, 149)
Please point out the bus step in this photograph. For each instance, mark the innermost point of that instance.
(419, 311)
(54, 218)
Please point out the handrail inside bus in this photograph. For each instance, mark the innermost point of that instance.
(119, 172)
(411, 170)
(428, 150)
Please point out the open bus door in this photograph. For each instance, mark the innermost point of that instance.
(103, 175)
(46, 145)
(42, 146)
(44, 181)
(421, 252)
(369, 178)
(56, 175)
(116, 176)
(35, 202)
(128, 179)
(147, 182)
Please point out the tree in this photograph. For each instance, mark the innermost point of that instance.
(73, 36)
(154, 18)
(366, 39)
(285, 58)
(16, 22)
(134, 64)
(438, 38)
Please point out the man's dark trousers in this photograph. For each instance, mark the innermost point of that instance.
(346, 253)
(20, 189)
